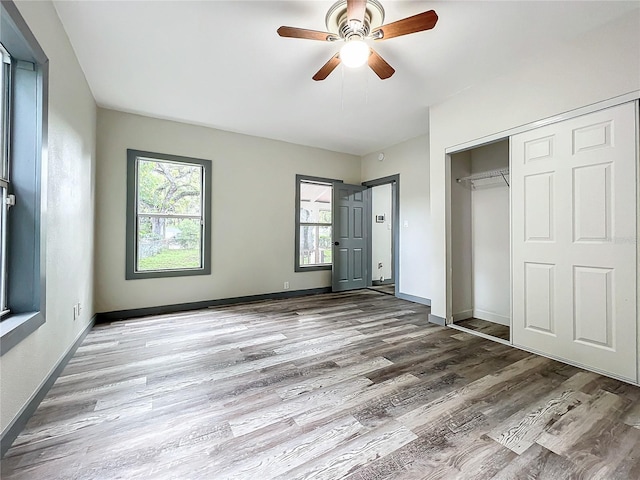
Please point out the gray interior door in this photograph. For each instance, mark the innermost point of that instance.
(350, 230)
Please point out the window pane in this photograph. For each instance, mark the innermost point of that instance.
(167, 187)
(3, 249)
(315, 203)
(4, 111)
(315, 245)
(169, 243)
(4, 174)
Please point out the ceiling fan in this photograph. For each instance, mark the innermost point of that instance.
(354, 21)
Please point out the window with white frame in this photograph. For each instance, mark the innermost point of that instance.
(168, 215)
(313, 223)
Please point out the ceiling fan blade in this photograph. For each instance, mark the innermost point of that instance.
(380, 66)
(417, 23)
(293, 32)
(327, 68)
(356, 9)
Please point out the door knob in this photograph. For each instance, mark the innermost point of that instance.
(336, 243)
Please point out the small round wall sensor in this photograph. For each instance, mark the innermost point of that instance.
(381, 156)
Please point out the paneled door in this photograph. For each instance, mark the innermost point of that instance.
(574, 214)
(350, 222)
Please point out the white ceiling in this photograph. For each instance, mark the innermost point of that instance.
(221, 63)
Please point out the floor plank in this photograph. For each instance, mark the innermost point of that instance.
(353, 385)
(483, 326)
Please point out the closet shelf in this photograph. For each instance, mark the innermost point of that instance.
(483, 179)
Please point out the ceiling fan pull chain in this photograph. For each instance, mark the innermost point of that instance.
(366, 88)
(342, 89)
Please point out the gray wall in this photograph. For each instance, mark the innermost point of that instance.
(252, 210)
(69, 219)
(409, 159)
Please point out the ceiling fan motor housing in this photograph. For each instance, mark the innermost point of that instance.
(338, 23)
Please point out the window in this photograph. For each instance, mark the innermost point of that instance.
(168, 215)
(313, 223)
(5, 71)
(24, 79)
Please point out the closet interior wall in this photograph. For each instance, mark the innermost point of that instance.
(480, 232)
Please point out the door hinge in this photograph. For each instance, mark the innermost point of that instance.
(10, 200)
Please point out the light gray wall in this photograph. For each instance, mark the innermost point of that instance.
(69, 217)
(602, 64)
(381, 233)
(461, 246)
(252, 212)
(409, 159)
(491, 235)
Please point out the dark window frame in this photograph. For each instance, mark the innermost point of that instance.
(131, 273)
(5, 174)
(25, 258)
(299, 180)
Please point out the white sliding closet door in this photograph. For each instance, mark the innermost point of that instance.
(573, 191)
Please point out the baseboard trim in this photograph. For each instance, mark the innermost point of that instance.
(181, 307)
(462, 315)
(378, 283)
(20, 421)
(492, 317)
(414, 299)
(437, 320)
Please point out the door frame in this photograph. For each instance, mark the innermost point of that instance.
(449, 320)
(394, 180)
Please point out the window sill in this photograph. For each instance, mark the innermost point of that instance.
(17, 327)
(312, 268)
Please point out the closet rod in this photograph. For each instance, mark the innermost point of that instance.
(501, 172)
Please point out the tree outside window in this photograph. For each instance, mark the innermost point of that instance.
(314, 246)
(169, 223)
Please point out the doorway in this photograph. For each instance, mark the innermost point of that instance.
(480, 240)
(384, 212)
(354, 217)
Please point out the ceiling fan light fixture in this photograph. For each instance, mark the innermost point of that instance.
(354, 21)
(354, 53)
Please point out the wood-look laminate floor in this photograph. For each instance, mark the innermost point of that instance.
(389, 289)
(490, 328)
(355, 385)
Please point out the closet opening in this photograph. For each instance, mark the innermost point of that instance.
(480, 241)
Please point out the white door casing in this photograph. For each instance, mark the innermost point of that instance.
(574, 240)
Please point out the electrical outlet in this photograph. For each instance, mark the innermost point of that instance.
(286, 285)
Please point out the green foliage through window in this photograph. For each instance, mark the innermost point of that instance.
(169, 203)
(314, 223)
